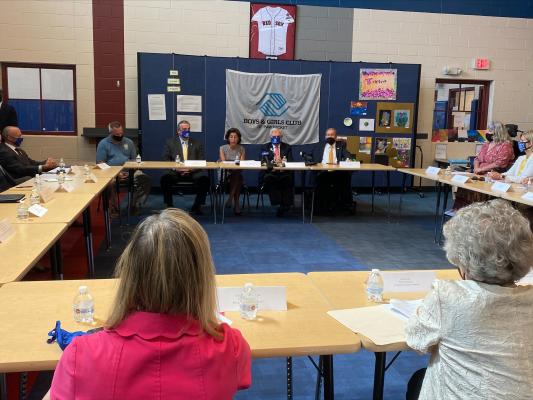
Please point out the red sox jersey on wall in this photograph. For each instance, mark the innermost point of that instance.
(272, 23)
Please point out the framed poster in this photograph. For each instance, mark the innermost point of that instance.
(272, 31)
(394, 117)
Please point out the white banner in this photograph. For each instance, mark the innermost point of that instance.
(256, 103)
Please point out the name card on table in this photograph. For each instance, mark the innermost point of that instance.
(350, 164)
(47, 194)
(38, 210)
(76, 170)
(66, 187)
(528, 196)
(195, 163)
(460, 179)
(295, 165)
(91, 178)
(102, 165)
(271, 298)
(251, 163)
(500, 187)
(527, 280)
(406, 281)
(6, 230)
(432, 170)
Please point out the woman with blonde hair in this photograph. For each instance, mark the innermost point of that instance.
(162, 339)
(478, 330)
(522, 169)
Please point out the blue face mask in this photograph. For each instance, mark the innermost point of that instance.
(185, 134)
(18, 141)
(276, 140)
(522, 146)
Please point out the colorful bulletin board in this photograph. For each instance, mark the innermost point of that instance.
(377, 84)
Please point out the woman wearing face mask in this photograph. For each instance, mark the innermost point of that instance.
(522, 169)
(230, 152)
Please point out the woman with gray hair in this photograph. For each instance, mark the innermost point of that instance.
(478, 330)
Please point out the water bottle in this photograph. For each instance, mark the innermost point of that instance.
(178, 159)
(86, 172)
(238, 159)
(138, 159)
(61, 177)
(61, 165)
(83, 306)
(22, 210)
(34, 197)
(448, 171)
(37, 182)
(283, 161)
(248, 302)
(374, 286)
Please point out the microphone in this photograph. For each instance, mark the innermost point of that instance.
(266, 161)
(308, 158)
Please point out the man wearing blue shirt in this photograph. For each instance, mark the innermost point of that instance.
(115, 150)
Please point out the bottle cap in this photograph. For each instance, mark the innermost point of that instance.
(82, 289)
(375, 269)
(248, 285)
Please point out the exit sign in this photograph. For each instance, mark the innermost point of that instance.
(481, 63)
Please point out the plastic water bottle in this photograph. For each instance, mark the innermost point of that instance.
(238, 159)
(178, 159)
(248, 302)
(61, 165)
(283, 161)
(138, 159)
(22, 210)
(374, 286)
(86, 172)
(61, 177)
(34, 197)
(83, 306)
(37, 182)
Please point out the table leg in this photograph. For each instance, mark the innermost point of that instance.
(3, 386)
(388, 192)
(379, 375)
(107, 222)
(302, 177)
(402, 191)
(438, 187)
(447, 191)
(289, 378)
(329, 392)
(56, 260)
(373, 188)
(88, 240)
(222, 195)
(130, 193)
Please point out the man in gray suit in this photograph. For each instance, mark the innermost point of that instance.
(187, 149)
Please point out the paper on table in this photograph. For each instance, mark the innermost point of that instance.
(271, 298)
(295, 165)
(350, 164)
(407, 281)
(432, 170)
(157, 110)
(56, 171)
(460, 178)
(103, 165)
(500, 187)
(188, 103)
(194, 120)
(38, 210)
(377, 323)
(403, 308)
(250, 163)
(195, 163)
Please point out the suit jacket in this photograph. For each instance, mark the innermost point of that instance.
(340, 151)
(285, 150)
(17, 165)
(8, 116)
(6, 181)
(173, 147)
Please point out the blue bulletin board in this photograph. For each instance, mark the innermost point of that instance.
(205, 76)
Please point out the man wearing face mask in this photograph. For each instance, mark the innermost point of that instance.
(278, 184)
(187, 149)
(8, 114)
(16, 161)
(333, 187)
(115, 150)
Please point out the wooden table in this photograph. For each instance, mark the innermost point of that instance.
(28, 310)
(27, 246)
(346, 289)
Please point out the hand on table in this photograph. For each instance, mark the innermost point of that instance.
(495, 176)
(49, 164)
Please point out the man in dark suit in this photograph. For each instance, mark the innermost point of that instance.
(278, 184)
(333, 187)
(187, 149)
(16, 161)
(8, 115)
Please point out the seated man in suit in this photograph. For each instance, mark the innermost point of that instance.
(16, 161)
(187, 149)
(115, 150)
(8, 115)
(278, 184)
(333, 187)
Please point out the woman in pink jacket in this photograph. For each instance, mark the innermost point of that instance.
(162, 339)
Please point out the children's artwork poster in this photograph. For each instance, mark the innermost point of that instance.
(358, 108)
(396, 150)
(377, 84)
(452, 135)
(394, 117)
(366, 124)
(365, 144)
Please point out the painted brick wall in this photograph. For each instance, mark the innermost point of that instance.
(437, 40)
(58, 32)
